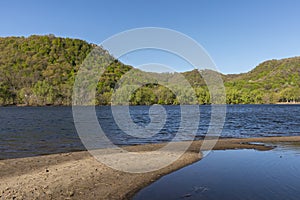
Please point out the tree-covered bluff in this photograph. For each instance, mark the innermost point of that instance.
(40, 70)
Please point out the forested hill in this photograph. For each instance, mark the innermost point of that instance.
(270, 82)
(40, 70)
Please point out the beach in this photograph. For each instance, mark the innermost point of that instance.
(78, 175)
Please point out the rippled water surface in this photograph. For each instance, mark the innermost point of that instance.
(234, 174)
(29, 131)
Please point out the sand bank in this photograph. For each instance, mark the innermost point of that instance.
(78, 175)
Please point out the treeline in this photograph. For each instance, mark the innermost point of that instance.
(41, 70)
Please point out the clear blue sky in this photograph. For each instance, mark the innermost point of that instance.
(238, 34)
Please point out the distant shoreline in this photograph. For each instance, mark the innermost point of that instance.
(37, 106)
(288, 103)
(78, 175)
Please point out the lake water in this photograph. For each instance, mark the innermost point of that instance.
(234, 174)
(30, 131)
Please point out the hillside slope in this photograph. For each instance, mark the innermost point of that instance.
(270, 82)
(40, 70)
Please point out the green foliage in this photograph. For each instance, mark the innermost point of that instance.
(41, 70)
(270, 82)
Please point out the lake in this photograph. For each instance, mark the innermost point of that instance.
(234, 174)
(31, 131)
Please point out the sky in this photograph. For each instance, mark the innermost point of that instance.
(237, 34)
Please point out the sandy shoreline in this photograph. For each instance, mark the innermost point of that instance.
(78, 175)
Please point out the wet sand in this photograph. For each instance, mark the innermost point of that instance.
(78, 175)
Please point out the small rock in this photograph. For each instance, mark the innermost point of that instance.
(187, 195)
(71, 193)
(45, 187)
(47, 170)
(48, 192)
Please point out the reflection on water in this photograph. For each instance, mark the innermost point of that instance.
(234, 174)
(292, 148)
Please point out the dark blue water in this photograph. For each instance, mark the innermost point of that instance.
(233, 174)
(30, 131)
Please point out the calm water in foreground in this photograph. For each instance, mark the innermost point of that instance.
(30, 131)
(234, 174)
